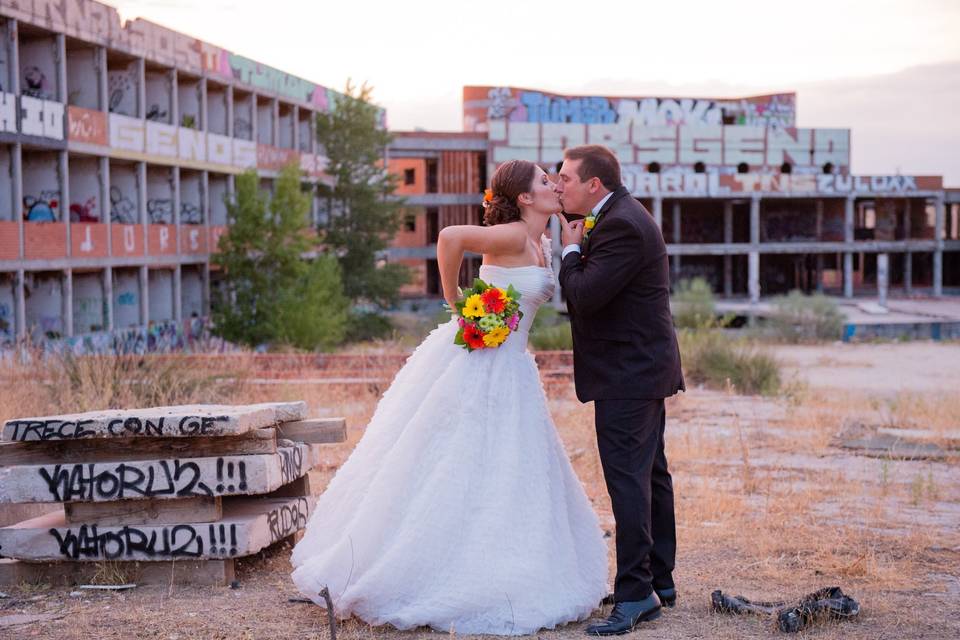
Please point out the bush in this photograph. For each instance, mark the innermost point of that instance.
(694, 306)
(369, 325)
(551, 331)
(802, 318)
(713, 359)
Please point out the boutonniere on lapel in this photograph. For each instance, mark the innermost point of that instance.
(588, 224)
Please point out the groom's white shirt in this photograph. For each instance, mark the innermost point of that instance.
(596, 209)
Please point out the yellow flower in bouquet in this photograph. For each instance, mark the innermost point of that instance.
(474, 307)
(495, 337)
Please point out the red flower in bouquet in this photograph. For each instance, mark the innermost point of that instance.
(493, 300)
(473, 337)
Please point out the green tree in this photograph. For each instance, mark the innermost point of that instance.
(363, 213)
(277, 288)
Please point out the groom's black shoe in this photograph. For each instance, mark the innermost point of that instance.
(626, 616)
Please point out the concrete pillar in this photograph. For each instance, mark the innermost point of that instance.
(202, 125)
(205, 198)
(175, 171)
(103, 88)
(230, 111)
(819, 236)
(728, 239)
(753, 276)
(104, 171)
(63, 171)
(755, 220)
(296, 128)
(908, 254)
(108, 298)
(66, 302)
(254, 118)
(142, 203)
(848, 252)
(21, 304)
(144, 295)
(61, 60)
(16, 160)
(206, 289)
(276, 123)
(677, 236)
(178, 293)
(938, 246)
(13, 38)
(175, 102)
(908, 272)
(883, 278)
(142, 88)
(753, 259)
(658, 211)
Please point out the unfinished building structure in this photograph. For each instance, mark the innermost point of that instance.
(119, 144)
(744, 197)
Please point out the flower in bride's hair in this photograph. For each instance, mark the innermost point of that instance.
(487, 198)
(473, 308)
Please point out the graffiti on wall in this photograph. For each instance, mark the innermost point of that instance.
(35, 84)
(189, 336)
(84, 211)
(160, 210)
(42, 207)
(484, 104)
(643, 183)
(38, 117)
(122, 208)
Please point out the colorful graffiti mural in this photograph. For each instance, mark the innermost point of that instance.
(484, 104)
(189, 336)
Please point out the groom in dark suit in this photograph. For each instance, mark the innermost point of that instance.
(615, 277)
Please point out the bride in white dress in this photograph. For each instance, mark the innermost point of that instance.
(458, 509)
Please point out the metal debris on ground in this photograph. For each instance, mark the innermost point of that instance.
(826, 604)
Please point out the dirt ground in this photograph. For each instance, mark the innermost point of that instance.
(769, 505)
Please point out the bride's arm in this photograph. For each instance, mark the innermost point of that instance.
(454, 241)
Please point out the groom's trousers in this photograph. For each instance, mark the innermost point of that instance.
(630, 440)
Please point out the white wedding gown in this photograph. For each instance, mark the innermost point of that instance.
(458, 509)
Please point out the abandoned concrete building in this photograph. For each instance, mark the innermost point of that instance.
(745, 199)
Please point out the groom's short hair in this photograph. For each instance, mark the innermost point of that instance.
(597, 161)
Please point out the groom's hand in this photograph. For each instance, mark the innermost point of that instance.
(570, 232)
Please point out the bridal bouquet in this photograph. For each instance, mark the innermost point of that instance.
(487, 315)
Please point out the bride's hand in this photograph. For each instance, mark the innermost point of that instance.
(452, 304)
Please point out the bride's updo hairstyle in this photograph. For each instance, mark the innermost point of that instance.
(509, 181)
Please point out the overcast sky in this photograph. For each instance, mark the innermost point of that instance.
(887, 69)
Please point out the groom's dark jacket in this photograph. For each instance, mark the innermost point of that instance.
(618, 295)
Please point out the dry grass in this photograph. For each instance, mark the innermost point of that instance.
(767, 506)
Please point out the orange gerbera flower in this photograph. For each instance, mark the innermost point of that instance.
(493, 300)
(473, 337)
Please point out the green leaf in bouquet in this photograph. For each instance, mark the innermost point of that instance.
(458, 339)
(513, 293)
(480, 286)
